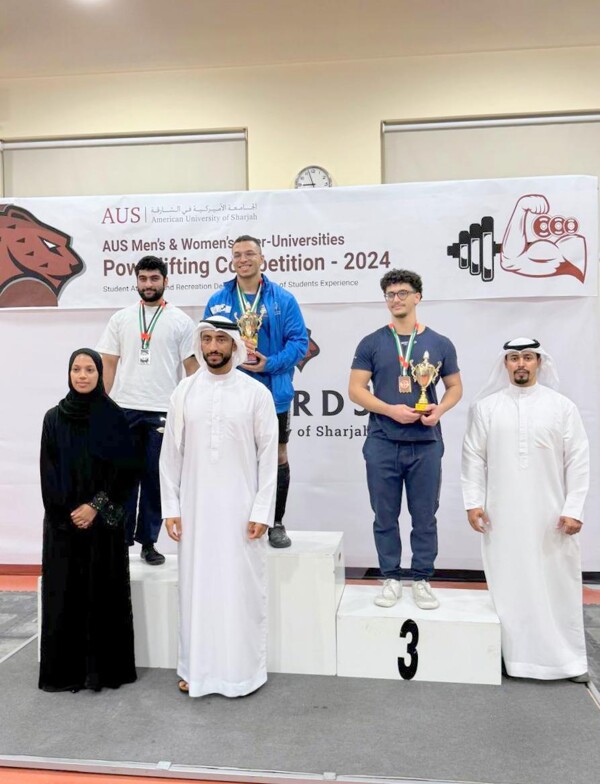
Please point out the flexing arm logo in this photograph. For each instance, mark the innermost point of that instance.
(539, 245)
(36, 260)
(536, 244)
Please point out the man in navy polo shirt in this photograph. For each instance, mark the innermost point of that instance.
(404, 446)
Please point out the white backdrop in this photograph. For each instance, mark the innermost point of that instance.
(328, 489)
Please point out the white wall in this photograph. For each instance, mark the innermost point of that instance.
(328, 113)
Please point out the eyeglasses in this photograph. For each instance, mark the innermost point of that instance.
(401, 295)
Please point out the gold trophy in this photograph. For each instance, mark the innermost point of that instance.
(249, 323)
(424, 374)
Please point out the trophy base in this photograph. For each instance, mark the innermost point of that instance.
(421, 406)
(252, 359)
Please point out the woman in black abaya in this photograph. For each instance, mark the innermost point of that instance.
(87, 471)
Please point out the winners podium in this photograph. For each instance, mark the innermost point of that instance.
(320, 626)
(457, 643)
(306, 582)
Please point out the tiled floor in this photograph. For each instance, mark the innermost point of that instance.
(591, 617)
(18, 619)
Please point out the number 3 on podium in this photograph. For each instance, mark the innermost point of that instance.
(408, 671)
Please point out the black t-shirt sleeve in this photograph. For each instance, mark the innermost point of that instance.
(363, 356)
(450, 360)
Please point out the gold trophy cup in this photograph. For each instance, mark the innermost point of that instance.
(424, 374)
(249, 323)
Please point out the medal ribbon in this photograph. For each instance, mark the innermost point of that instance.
(245, 306)
(146, 331)
(403, 359)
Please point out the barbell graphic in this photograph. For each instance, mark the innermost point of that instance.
(476, 249)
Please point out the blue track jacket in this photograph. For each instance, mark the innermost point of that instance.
(286, 343)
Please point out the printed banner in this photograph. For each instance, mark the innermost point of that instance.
(534, 237)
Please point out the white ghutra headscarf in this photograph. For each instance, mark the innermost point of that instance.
(497, 380)
(228, 327)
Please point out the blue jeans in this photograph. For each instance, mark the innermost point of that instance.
(416, 465)
(145, 518)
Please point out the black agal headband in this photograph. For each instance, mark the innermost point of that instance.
(521, 344)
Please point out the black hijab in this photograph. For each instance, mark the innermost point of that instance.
(77, 405)
(110, 438)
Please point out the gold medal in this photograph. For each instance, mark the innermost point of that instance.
(404, 385)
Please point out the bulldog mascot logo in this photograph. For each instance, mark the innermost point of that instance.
(36, 260)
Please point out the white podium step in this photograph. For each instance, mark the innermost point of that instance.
(306, 582)
(155, 601)
(457, 643)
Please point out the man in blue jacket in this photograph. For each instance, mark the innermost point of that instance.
(282, 342)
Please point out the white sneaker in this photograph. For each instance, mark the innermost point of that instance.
(424, 596)
(390, 593)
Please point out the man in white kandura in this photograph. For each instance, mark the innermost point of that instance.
(525, 475)
(218, 478)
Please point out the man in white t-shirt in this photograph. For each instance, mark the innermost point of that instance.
(152, 339)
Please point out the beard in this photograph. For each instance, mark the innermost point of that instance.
(216, 362)
(151, 296)
(522, 379)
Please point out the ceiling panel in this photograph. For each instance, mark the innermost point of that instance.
(61, 37)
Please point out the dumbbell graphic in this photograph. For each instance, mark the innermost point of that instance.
(476, 249)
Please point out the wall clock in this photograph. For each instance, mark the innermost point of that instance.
(313, 177)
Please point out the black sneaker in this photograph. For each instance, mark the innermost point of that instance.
(151, 556)
(278, 536)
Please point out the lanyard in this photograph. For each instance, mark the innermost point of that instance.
(147, 330)
(404, 359)
(245, 306)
